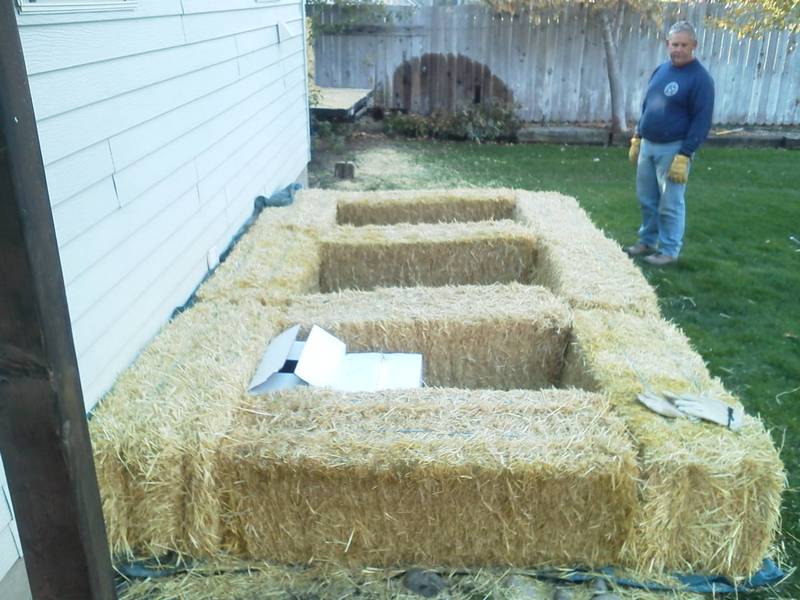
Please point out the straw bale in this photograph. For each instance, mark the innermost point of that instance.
(156, 433)
(269, 265)
(710, 498)
(426, 255)
(313, 210)
(578, 262)
(498, 336)
(425, 206)
(279, 256)
(623, 354)
(555, 217)
(429, 476)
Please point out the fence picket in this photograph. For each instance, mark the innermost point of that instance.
(553, 61)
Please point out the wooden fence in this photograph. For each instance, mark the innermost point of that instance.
(552, 65)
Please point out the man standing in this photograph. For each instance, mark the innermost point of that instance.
(676, 118)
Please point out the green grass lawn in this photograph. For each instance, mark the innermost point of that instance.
(735, 290)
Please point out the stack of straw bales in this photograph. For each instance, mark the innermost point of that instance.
(456, 475)
(156, 435)
(710, 498)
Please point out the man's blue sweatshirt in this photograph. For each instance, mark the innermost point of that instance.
(678, 105)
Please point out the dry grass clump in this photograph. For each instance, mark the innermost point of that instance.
(156, 433)
(497, 336)
(429, 476)
(426, 255)
(577, 261)
(425, 206)
(710, 498)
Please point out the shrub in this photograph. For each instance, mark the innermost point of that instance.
(479, 123)
(407, 125)
(329, 135)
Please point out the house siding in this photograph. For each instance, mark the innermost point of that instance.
(158, 127)
(10, 549)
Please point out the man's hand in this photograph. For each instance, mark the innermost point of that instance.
(679, 170)
(633, 153)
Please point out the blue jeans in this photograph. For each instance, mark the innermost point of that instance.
(661, 200)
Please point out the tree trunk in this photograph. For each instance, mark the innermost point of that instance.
(618, 122)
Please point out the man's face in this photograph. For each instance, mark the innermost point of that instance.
(681, 48)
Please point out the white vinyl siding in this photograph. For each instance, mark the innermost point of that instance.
(73, 6)
(159, 125)
(9, 537)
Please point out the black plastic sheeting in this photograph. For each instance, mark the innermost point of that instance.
(769, 575)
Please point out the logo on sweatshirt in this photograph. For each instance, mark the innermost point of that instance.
(671, 88)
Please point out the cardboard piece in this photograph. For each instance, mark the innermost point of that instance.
(322, 360)
(268, 376)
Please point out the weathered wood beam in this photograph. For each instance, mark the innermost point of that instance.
(44, 438)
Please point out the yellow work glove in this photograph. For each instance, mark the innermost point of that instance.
(679, 170)
(633, 153)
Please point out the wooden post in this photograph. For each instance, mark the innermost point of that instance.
(44, 438)
(344, 170)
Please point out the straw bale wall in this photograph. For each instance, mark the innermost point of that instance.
(188, 462)
(578, 262)
(156, 433)
(430, 476)
(710, 498)
(422, 206)
(496, 337)
(407, 255)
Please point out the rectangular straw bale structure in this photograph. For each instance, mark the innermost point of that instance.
(495, 337)
(458, 475)
(710, 498)
(430, 477)
(421, 206)
(426, 255)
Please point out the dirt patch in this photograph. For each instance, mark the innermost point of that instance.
(380, 163)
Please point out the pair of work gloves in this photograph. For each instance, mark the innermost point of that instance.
(694, 406)
(678, 170)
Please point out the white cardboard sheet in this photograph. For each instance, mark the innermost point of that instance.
(322, 360)
(267, 378)
(373, 371)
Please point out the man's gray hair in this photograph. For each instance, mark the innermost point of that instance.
(682, 27)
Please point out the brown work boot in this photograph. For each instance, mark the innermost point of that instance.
(639, 249)
(660, 260)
